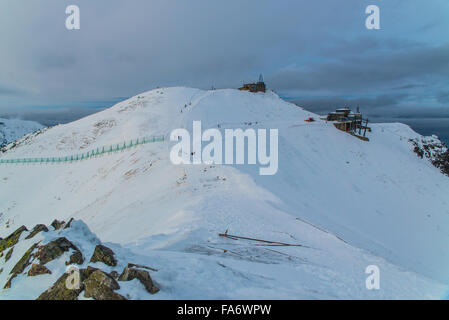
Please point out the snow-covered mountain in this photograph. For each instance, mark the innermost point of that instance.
(349, 203)
(13, 129)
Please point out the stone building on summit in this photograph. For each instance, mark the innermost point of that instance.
(254, 87)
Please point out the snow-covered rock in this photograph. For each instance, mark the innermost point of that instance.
(37, 265)
(349, 203)
(14, 129)
(433, 150)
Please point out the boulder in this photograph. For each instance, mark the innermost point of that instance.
(101, 286)
(105, 255)
(87, 272)
(37, 228)
(141, 275)
(37, 269)
(12, 239)
(54, 249)
(59, 290)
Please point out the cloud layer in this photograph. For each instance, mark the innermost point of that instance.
(310, 51)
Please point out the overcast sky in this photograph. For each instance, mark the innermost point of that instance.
(318, 53)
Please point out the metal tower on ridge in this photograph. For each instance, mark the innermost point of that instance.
(261, 78)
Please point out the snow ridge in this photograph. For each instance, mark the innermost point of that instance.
(350, 203)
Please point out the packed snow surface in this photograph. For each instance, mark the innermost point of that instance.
(350, 203)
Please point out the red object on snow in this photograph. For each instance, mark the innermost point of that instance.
(309, 120)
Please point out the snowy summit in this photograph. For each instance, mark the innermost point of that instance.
(335, 206)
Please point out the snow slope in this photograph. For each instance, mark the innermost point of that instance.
(350, 203)
(14, 129)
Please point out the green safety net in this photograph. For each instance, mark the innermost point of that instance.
(90, 154)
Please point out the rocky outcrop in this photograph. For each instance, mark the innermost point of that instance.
(105, 255)
(12, 239)
(37, 269)
(44, 254)
(76, 258)
(441, 161)
(88, 271)
(101, 286)
(433, 150)
(55, 249)
(38, 228)
(20, 265)
(56, 224)
(95, 283)
(141, 275)
(69, 224)
(60, 291)
(9, 254)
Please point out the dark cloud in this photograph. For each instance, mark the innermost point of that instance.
(304, 49)
(327, 104)
(355, 73)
